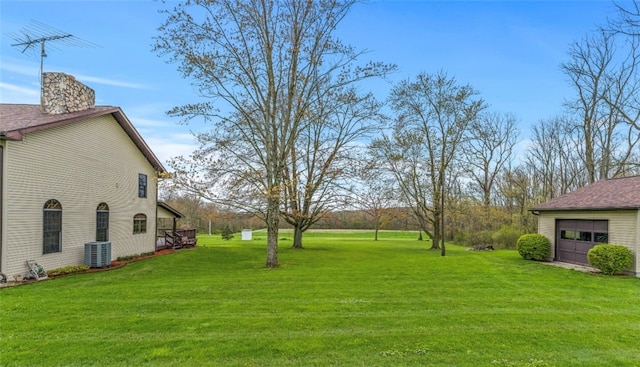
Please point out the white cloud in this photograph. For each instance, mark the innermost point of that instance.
(31, 69)
(20, 68)
(149, 123)
(112, 82)
(19, 89)
(11, 93)
(171, 146)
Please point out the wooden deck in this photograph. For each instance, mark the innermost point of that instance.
(181, 238)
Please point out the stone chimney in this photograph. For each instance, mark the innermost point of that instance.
(62, 93)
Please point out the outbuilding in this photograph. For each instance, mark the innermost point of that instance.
(607, 211)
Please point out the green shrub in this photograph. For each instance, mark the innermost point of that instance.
(227, 234)
(67, 270)
(533, 246)
(610, 259)
(506, 237)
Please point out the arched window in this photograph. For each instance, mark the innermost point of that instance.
(52, 227)
(102, 222)
(139, 223)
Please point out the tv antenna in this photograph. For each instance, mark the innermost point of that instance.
(39, 34)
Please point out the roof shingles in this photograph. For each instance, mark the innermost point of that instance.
(616, 193)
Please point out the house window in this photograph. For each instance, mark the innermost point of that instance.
(102, 222)
(139, 223)
(142, 185)
(52, 227)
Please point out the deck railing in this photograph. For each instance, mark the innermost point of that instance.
(178, 239)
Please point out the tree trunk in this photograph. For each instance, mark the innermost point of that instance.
(297, 238)
(273, 221)
(377, 227)
(435, 243)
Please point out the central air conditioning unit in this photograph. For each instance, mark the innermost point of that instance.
(97, 254)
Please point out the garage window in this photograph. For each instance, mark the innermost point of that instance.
(567, 235)
(584, 236)
(601, 237)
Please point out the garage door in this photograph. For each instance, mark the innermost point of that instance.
(575, 237)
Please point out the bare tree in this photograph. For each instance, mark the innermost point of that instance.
(553, 158)
(260, 65)
(489, 148)
(606, 95)
(401, 155)
(321, 162)
(628, 20)
(624, 90)
(375, 194)
(432, 116)
(516, 187)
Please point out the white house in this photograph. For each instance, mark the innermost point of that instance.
(73, 173)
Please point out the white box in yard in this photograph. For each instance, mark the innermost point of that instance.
(247, 235)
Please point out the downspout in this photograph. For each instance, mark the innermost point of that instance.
(3, 278)
(155, 226)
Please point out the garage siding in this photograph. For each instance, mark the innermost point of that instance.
(624, 227)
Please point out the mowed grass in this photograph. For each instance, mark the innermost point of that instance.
(345, 300)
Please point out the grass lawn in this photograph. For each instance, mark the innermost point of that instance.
(343, 301)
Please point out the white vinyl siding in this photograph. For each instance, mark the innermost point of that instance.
(164, 213)
(81, 165)
(624, 227)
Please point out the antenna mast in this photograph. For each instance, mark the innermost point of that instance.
(28, 43)
(37, 33)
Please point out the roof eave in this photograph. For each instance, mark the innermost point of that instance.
(138, 141)
(10, 135)
(632, 207)
(167, 207)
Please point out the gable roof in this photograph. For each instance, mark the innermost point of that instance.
(16, 120)
(616, 193)
(170, 209)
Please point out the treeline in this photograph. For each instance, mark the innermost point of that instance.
(465, 224)
(296, 141)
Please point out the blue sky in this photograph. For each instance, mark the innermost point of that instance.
(510, 51)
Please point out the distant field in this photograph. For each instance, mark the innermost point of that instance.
(326, 234)
(343, 301)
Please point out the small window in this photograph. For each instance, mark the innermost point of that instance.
(601, 237)
(567, 235)
(139, 223)
(102, 222)
(52, 227)
(142, 185)
(584, 236)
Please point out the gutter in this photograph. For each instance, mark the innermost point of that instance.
(609, 208)
(10, 135)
